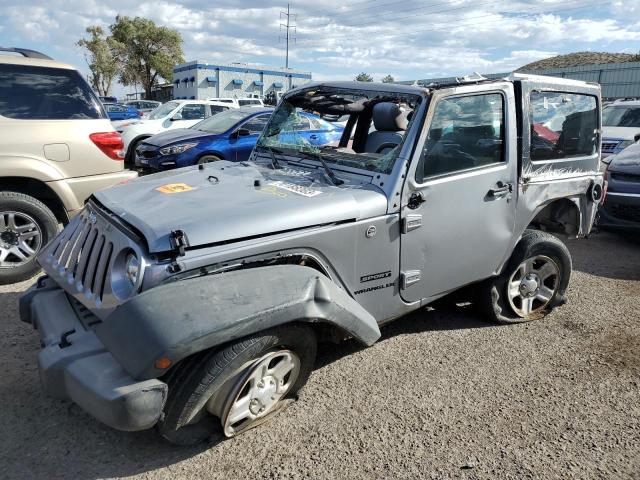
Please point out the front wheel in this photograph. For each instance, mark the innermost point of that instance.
(239, 386)
(533, 282)
(208, 159)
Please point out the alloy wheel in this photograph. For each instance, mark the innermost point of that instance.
(532, 285)
(257, 392)
(20, 239)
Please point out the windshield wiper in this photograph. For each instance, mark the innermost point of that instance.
(332, 176)
(274, 161)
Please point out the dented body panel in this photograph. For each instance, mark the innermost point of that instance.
(224, 308)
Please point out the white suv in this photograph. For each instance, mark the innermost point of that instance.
(620, 126)
(170, 115)
(240, 102)
(57, 147)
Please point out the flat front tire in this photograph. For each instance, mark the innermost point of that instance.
(532, 284)
(239, 386)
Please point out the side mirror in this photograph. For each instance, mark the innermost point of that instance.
(177, 116)
(637, 137)
(241, 132)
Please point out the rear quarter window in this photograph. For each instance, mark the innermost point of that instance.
(41, 93)
(563, 125)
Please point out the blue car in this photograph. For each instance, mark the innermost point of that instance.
(121, 112)
(229, 135)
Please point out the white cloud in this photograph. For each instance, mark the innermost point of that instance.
(337, 39)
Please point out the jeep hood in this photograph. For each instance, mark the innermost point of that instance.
(228, 201)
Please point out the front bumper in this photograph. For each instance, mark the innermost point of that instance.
(75, 365)
(620, 211)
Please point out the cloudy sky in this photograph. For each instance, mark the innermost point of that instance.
(339, 38)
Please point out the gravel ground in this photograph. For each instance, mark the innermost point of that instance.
(441, 395)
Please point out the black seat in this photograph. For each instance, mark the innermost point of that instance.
(390, 124)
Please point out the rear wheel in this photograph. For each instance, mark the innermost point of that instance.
(239, 386)
(532, 284)
(26, 225)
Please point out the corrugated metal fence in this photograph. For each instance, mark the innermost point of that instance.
(618, 80)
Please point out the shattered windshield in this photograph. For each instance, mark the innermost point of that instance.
(351, 127)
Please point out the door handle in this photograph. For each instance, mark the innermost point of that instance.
(313, 137)
(500, 190)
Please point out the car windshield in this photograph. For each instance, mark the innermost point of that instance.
(613, 116)
(163, 110)
(220, 122)
(371, 141)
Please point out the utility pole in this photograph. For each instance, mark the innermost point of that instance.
(291, 17)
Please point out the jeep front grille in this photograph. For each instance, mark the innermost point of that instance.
(81, 255)
(82, 258)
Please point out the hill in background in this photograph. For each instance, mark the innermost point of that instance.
(579, 58)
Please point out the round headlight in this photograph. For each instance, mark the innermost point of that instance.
(132, 268)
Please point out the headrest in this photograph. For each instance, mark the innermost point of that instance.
(388, 117)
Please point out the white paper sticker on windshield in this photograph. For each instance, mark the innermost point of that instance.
(299, 189)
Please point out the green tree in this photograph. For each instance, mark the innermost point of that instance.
(364, 77)
(147, 52)
(102, 59)
(388, 79)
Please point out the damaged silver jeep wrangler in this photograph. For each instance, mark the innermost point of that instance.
(193, 300)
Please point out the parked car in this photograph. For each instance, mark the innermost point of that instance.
(621, 208)
(108, 99)
(144, 106)
(121, 112)
(205, 311)
(230, 135)
(170, 115)
(620, 124)
(57, 147)
(240, 102)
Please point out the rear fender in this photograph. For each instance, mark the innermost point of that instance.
(178, 319)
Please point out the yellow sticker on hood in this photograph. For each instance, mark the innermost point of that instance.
(175, 188)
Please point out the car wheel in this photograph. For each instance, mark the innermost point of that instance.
(237, 387)
(26, 225)
(130, 158)
(208, 159)
(532, 284)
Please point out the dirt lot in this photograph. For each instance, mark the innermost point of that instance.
(442, 395)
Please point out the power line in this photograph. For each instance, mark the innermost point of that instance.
(288, 26)
(464, 22)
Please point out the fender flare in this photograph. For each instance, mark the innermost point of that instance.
(178, 319)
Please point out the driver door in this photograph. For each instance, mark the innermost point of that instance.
(460, 196)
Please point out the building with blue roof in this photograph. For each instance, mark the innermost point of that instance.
(202, 80)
